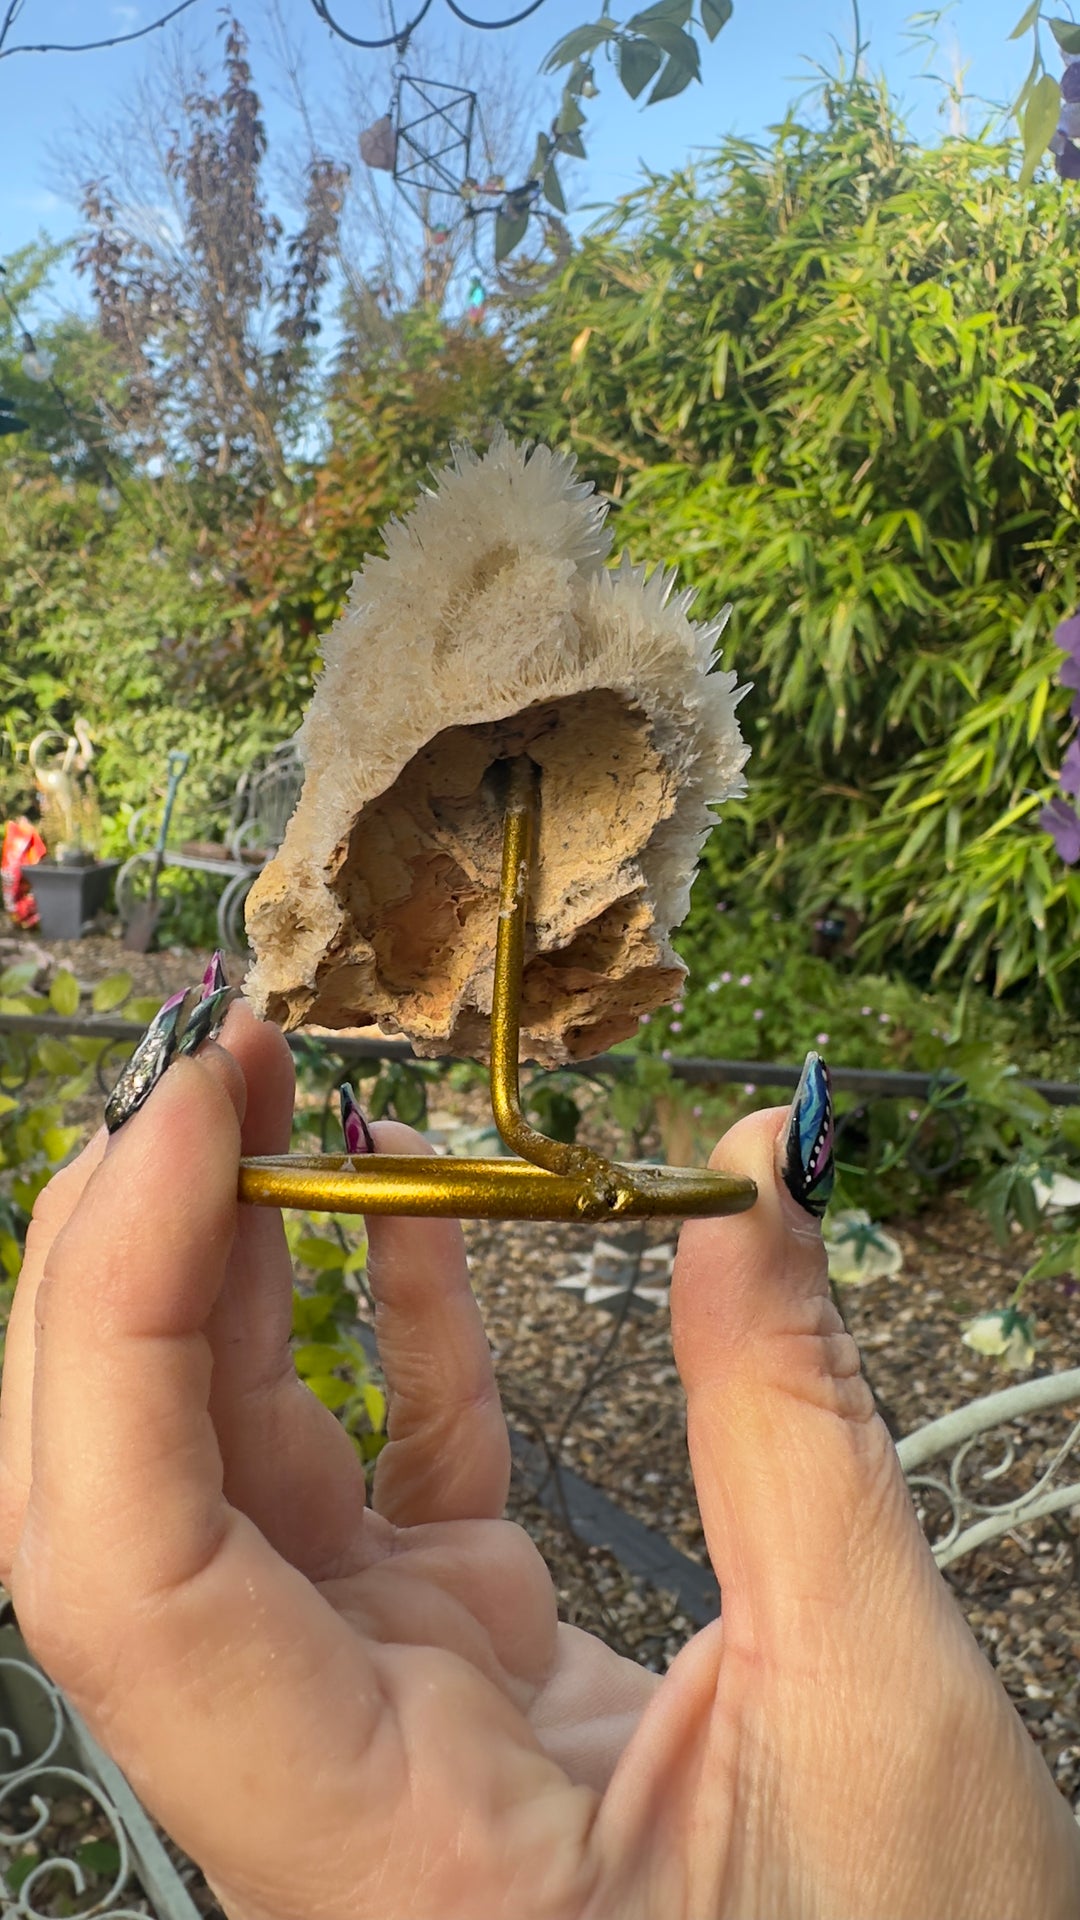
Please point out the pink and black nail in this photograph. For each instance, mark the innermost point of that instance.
(182, 1024)
(215, 976)
(358, 1135)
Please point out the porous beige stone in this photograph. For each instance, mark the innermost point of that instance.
(491, 628)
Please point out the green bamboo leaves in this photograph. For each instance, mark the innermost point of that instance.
(1040, 118)
(835, 379)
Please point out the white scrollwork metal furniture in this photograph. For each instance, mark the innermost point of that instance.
(47, 1758)
(265, 797)
(989, 1480)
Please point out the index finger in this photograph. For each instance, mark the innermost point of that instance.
(52, 1210)
(120, 1417)
(133, 1571)
(290, 1755)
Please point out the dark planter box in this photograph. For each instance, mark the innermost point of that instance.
(67, 898)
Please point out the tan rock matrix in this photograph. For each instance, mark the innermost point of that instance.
(491, 628)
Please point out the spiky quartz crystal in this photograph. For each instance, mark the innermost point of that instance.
(492, 627)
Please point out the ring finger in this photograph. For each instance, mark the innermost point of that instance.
(448, 1456)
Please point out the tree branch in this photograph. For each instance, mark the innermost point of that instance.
(86, 46)
(10, 17)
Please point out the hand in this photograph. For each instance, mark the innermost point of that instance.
(342, 1712)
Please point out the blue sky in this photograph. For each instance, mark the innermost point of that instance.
(757, 65)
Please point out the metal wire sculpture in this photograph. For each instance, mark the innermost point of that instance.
(433, 134)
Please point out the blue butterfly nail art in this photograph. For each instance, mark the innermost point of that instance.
(808, 1165)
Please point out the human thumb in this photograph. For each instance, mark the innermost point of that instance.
(802, 1498)
(869, 1724)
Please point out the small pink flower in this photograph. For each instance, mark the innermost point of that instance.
(721, 906)
(746, 979)
(697, 1112)
(759, 1013)
(913, 1113)
(822, 1039)
(883, 1019)
(643, 1019)
(749, 1087)
(866, 1012)
(676, 1026)
(725, 977)
(676, 1006)
(665, 1053)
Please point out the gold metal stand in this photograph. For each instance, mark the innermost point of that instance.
(552, 1180)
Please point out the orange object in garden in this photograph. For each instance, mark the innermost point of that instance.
(23, 847)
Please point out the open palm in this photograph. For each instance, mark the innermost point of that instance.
(342, 1711)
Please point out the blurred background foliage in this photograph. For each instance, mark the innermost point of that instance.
(832, 378)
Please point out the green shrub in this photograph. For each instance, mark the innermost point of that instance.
(834, 379)
(92, 627)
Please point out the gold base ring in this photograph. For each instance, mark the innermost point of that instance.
(488, 1189)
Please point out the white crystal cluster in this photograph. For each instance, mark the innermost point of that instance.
(491, 627)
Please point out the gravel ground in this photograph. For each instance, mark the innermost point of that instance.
(626, 1435)
(604, 1396)
(91, 959)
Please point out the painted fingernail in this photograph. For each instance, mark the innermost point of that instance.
(184, 1021)
(205, 1019)
(358, 1135)
(149, 1060)
(215, 976)
(806, 1154)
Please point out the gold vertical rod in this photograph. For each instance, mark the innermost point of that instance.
(518, 858)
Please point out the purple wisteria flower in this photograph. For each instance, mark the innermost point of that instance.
(1069, 675)
(1069, 777)
(1060, 821)
(1067, 636)
(1064, 143)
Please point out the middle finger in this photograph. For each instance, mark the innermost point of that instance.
(288, 1463)
(448, 1456)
